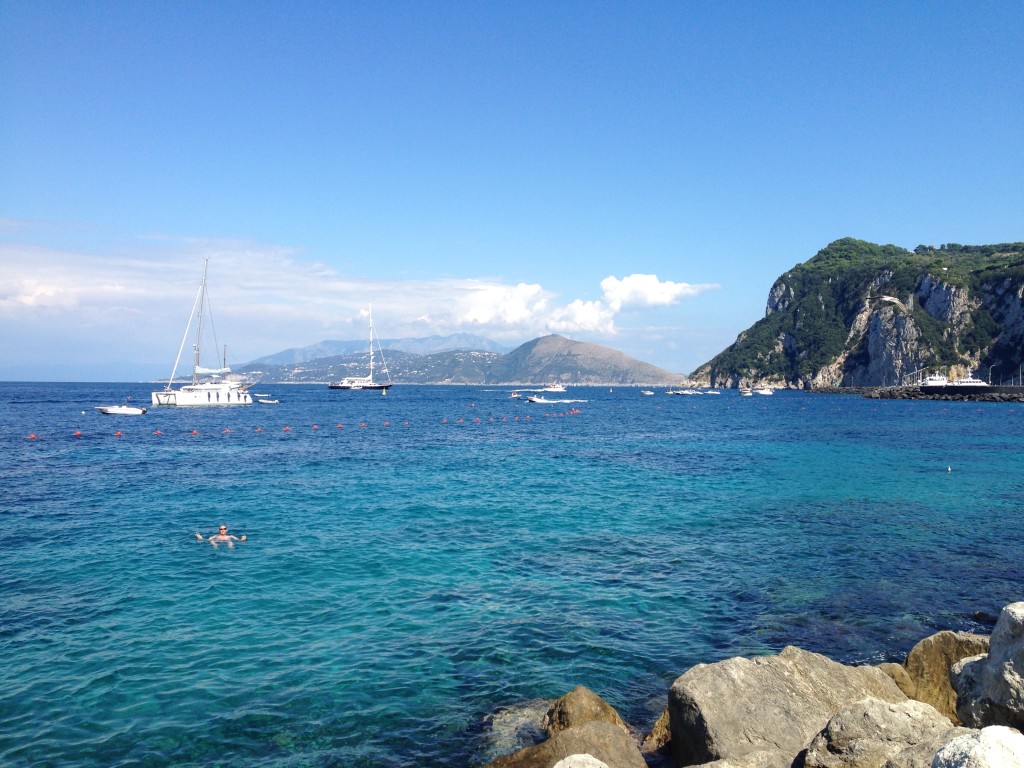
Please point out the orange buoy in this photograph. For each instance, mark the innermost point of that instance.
(341, 426)
(387, 423)
(362, 425)
(117, 434)
(405, 423)
(259, 429)
(226, 430)
(157, 432)
(78, 433)
(287, 429)
(194, 432)
(32, 437)
(315, 427)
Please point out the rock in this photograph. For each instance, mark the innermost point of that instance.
(579, 706)
(994, 747)
(991, 688)
(659, 737)
(870, 732)
(580, 761)
(770, 703)
(929, 662)
(759, 759)
(605, 741)
(899, 675)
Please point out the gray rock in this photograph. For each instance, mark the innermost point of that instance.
(994, 747)
(579, 706)
(759, 759)
(929, 662)
(580, 761)
(870, 732)
(990, 688)
(659, 737)
(921, 755)
(605, 741)
(771, 703)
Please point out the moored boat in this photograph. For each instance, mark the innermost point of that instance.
(209, 386)
(366, 382)
(121, 410)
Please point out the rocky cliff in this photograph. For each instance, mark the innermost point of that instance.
(860, 314)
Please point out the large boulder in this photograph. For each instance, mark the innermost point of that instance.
(580, 761)
(604, 741)
(994, 747)
(929, 662)
(990, 688)
(870, 732)
(770, 703)
(580, 705)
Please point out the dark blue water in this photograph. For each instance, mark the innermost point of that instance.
(449, 552)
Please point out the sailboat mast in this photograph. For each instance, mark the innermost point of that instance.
(199, 325)
(369, 312)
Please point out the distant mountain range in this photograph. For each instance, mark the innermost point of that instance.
(543, 360)
(427, 345)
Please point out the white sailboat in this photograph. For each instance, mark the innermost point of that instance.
(209, 388)
(366, 382)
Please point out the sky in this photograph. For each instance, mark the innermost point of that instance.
(633, 174)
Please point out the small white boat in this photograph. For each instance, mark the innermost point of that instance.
(746, 391)
(121, 410)
(539, 399)
(554, 387)
(515, 395)
(265, 401)
(646, 392)
(764, 391)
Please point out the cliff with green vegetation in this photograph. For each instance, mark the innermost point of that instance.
(860, 314)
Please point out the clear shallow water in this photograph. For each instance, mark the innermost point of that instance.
(405, 579)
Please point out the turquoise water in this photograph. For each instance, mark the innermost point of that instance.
(462, 553)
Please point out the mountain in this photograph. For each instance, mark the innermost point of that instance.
(419, 346)
(543, 360)
(860, 314)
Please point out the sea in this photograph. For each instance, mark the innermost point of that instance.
(424, 571)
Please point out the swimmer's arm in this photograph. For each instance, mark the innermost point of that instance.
(199, 536)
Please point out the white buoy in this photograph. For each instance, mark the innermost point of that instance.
(949, 469)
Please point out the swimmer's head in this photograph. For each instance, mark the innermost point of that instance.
(223, 529)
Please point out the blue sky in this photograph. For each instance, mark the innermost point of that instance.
(632, 174)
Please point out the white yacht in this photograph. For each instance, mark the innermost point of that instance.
(209, 386)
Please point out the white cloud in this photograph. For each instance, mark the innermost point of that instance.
(646, 291)
(87, 306)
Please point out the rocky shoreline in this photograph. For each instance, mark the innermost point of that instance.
(999, 395)
(957, 701)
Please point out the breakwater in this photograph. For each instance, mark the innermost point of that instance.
(993, 395)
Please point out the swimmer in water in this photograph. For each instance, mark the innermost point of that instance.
(221, 537)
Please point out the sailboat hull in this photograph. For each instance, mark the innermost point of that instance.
(356, 385)
(205, 395)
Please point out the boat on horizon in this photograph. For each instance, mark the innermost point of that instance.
(366, 382)
(121, 410)
(209, 387)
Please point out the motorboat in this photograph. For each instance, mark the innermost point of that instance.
(366, 382)
(121, 410)
(764, 391)
(646, 392)
(554, 387)
(209, 386)
(266, 401)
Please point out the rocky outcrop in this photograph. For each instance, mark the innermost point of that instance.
(860, 314)
(993, 747)
(990, 688)
(928, 665)
(772, 703)
(580, 761)
(871, 732)
(580, 705)
(605, 741)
